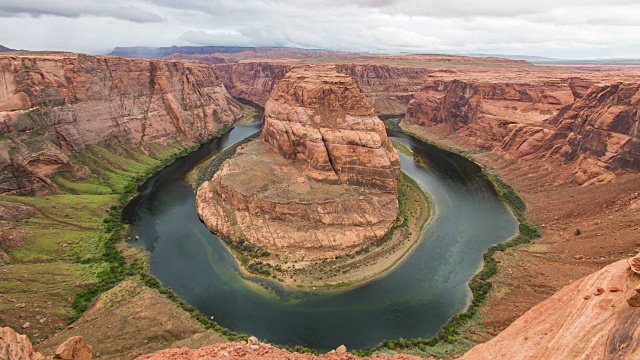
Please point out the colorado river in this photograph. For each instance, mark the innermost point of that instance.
(413, 300)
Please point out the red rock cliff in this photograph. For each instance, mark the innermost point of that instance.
(484, 111)
(600, 131)
(388, 88)
(63, 102)
(584, 120)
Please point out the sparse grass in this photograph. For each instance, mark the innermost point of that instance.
(45, 290)
(207, 169)
(90, 187)
(68, 244)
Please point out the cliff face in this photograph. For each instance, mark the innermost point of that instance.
(485, 111)
(600, 131)
(53, 105)
(388, 88)
(322, 183)
(594, 127)
(322, 118)
(253, 81)
(253, 349)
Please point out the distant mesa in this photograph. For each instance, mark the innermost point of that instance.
(159, 52)
(5, 49)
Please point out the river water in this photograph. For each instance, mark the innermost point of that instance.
(413, 300)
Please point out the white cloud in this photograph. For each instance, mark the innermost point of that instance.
(557, 28)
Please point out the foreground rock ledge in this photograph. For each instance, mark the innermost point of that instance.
(323, 182)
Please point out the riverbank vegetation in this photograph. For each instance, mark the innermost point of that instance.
(451, 339)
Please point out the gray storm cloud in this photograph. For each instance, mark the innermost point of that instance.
(555, 28)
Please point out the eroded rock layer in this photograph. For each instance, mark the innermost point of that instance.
(588, 319)
(593, 126)
(53, 104)
(322, 118)
(322, 183)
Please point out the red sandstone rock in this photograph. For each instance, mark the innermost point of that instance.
(330, 186)
(595, 127)
(321, 117)
(634, 263)
(56, 104)
(14, 346)
(242, 350)
(388, 88)
(490, 111)
(635, 299)
(74, 349)
(567, 327)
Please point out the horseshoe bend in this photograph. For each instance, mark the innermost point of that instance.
(244, 202)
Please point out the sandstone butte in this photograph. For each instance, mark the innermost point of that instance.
(55, 104)
(595, 317)
(322, 181)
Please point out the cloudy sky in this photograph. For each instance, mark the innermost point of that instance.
(554, 28)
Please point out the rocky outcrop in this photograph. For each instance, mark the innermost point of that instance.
(322, 183)
(600, 131)
(52, 105)
(264, 198)
(14, 346)
(322, 118)
(252, 349)
(588, 319)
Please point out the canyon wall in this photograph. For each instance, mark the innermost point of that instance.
(570, 119)
(600, 132)
(253, 81)
(484, 111)
(388, 88)
(52, 105)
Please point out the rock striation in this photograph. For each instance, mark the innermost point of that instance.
(322, 183)
(600, 132)
(54, 104)
(322, 118)
(388, 88)
(588, 319)
(487, 111)
(574, 120)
